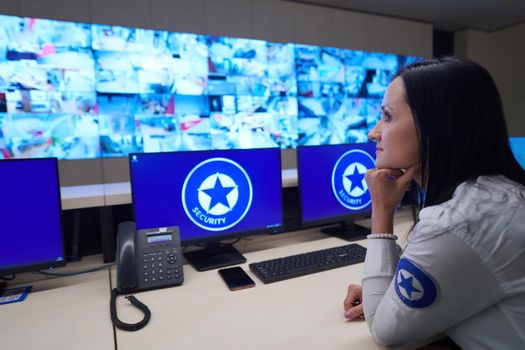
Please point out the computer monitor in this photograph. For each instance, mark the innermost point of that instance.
(518, 148)
(332, 186)
(31, 235)
(211, 195)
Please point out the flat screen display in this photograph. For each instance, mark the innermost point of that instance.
(78, 91)
(30, 220)
(210, 195)
(331, 181)
(518, 148)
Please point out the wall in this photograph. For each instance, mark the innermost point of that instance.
(272, 20)
(503, 53)
(507, 64)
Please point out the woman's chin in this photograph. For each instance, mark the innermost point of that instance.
(380, 164)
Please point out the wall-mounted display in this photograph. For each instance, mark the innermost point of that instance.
(78, 91)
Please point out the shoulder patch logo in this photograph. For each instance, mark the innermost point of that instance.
(416, 288)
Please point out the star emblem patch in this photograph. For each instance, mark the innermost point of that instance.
(416, 288)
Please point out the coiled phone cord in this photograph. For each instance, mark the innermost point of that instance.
(129, 327)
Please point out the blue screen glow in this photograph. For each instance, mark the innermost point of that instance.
(30, 227)
(209, 193)
(518, 148)
(331, 180)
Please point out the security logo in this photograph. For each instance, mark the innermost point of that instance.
(217, 194)
(414, 286)
(348, 179)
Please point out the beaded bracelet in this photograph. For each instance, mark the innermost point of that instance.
(382, 236)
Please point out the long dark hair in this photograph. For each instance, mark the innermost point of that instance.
(461, 126)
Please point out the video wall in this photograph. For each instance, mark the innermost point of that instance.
(79, 91)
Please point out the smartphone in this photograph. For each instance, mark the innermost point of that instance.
(236, 278)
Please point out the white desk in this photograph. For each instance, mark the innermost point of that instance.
(300, 313)
(85, 196)
(305, 312)
(62, 313)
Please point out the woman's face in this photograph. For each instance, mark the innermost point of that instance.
(395, 134)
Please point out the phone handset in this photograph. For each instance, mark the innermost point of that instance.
(127, 263)
(147, 259)
(127, 277)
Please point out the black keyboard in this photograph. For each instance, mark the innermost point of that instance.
(304, 264)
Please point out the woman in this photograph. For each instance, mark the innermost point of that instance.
(463, 269)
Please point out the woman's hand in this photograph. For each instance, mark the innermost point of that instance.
(352, 304)
(388, 186)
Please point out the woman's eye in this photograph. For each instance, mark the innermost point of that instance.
(387, 117)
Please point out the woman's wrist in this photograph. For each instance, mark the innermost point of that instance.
(383, 210)
(382, 221)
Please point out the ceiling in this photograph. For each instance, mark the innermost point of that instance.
(448, 15)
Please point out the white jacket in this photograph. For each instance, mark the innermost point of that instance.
(462, 272)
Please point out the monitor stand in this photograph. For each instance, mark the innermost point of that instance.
(348, 231)
(213, 256)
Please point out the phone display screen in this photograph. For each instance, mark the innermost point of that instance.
(236, 278)
(159, 238)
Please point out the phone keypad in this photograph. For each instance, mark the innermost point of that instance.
(162, 266)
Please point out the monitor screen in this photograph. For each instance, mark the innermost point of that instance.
(518, 148)
(30, 216)
(210, 195)
(331, 182)
(107, 91)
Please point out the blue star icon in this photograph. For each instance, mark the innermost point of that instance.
(407, 285)
(356, 179)
(218, 194)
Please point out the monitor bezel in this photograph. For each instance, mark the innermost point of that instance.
(46, 264)
(219, 237)
(332, 220)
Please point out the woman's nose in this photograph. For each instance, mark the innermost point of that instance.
(375, 133)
